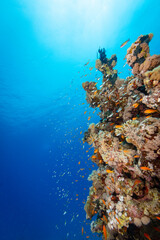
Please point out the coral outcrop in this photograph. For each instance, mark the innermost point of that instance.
(125, 192)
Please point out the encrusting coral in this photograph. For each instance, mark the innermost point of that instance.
(126, 186)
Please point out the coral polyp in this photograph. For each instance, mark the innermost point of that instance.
(125, 188)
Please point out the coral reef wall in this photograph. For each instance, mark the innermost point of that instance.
(125, 191)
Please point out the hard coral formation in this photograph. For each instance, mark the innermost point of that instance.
(125, 189)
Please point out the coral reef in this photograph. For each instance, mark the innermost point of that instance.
(125, 191)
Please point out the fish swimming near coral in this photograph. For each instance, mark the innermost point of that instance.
(82, 230)
(123, 44)
(109, 171)
(86, 63)
(146, 168)
(135, 105)
(157, 229)
(148, 111)
(147, 236)
(118, 126)
(105, 232)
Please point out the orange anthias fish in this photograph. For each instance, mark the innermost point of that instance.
(109, 171)
(117, 220)
(157, 229)
(123, 44)
(118, 126)
(105, 218)
(158, 218)
(86, 63)
(89, 118)
(105, 232)
(148, 111)
(135, 105)
(137, 181)
(103, 202)
(147, 236)
(146, 168)
(82, 230)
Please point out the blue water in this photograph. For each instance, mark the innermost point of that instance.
(43, 46)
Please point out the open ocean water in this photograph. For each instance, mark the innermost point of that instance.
(44, 165)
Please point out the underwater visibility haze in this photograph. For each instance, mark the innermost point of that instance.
(70, 111)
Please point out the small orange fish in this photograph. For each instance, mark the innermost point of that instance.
(98, 105)
(158, 218)
(89, 118)
(104, 202)
(157, 229)
(122, 136)
(90, 68)
(118, 126)
(117, 220)
(105, 218)
(134, 118)
(81, 132)
(105, 232)
(100, 161)
(135, 105)
(108, 188)
(86, 63)
(96, 150)
(149, 116)
(79, 162)
(146, 168)
(147, 236)
(94, 157)
(111, 124)
(109, 171)
(137, 181)
(85, 112)
(123, 44)
(126, 151)
(136, 156)
(148, 111)
(112, 179)
(82, 230)
(87, 236)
